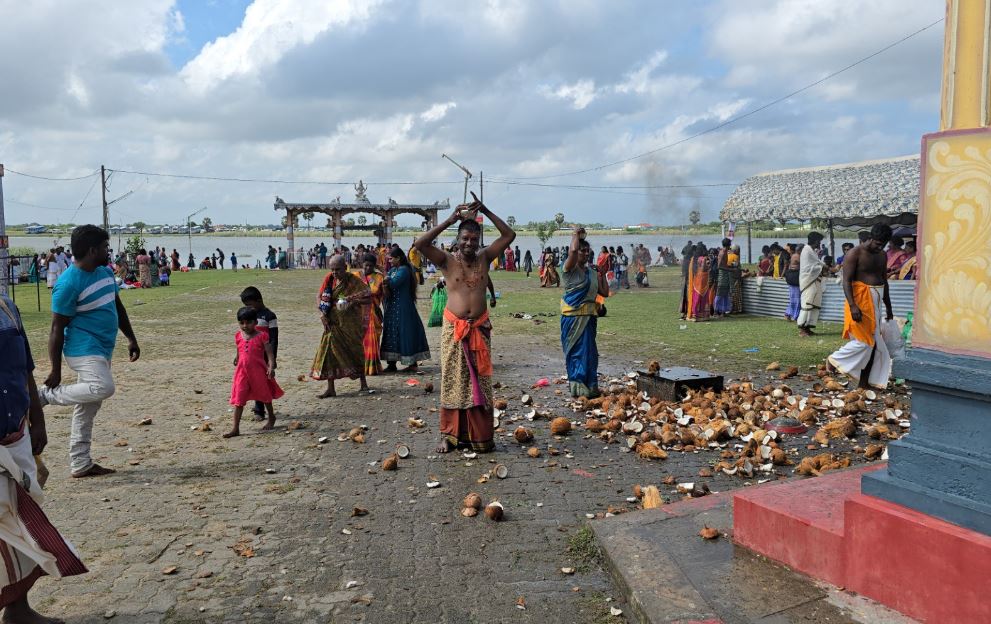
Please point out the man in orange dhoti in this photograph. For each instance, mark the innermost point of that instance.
(466, 360)
(865, 358)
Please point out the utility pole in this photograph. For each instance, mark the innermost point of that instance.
(4, 253)
(103, 187)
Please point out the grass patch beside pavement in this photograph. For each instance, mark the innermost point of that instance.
(643, 324)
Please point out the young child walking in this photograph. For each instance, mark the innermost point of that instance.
(254, 371)
(267, 322)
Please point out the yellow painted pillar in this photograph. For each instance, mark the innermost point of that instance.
(943, 467)
(953, 309)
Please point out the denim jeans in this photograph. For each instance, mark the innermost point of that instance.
(93, 385)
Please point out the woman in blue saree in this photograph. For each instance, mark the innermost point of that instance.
(579, 317)
(403, 337)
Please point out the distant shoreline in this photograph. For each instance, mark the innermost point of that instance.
(665, 231)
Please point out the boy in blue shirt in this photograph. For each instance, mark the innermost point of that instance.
(86, 314)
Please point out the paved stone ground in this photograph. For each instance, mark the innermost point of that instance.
(185, 498)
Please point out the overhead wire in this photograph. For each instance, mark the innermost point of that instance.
(51, 179)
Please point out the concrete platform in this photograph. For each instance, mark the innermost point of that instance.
(670, 575)
(921, 566)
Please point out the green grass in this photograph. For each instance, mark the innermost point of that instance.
(642, 324)
(583, 550)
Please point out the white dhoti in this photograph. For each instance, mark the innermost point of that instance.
(810, 283)
(853, 357)
(30, 546)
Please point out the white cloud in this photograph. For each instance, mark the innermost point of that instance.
(638, 80)
(581, 93)
(270, 29)
(437, 111)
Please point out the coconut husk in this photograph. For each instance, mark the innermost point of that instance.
(708, 533)
(561, 426)
(533, 451)
(594, 425)
(878, 432)
(650, 450)
(473, 500)
(500, 404)
(652, 497)
(779, 457)
(523, 435)
(839, 428)
(873, 451)
(391, 462)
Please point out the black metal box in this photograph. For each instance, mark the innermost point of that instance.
(671, 384)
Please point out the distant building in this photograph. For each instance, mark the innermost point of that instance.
(639, 226)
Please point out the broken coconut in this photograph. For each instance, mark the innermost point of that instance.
(523, 435)
(494, 511)
(473, 500)
(560, 426)
(391, 462)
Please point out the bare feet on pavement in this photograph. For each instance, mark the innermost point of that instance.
(232, 433)
(445, 446)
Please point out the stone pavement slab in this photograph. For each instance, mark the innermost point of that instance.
(670, 575)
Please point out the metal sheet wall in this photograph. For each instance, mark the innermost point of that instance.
(772, 300)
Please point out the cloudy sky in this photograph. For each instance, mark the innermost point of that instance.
(523, 90)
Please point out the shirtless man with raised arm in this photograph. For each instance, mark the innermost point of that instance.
(865, 284)
(466, 358)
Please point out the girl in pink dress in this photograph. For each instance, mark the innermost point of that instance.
(254, 371)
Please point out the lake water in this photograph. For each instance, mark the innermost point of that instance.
(251, 248)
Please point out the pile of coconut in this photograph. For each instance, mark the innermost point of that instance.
(731, 423)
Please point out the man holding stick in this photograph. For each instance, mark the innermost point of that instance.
(466, 358)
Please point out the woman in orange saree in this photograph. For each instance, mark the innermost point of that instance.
(701, 306)
(373, 333)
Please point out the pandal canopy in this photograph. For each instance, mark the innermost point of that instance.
(852, 194)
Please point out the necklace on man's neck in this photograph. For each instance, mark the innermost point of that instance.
(476, 277)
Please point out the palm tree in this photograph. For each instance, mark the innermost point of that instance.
(511, 221)
(140, 225)
(695, 216)
(559, 219)
(362, 219)
(308, 217)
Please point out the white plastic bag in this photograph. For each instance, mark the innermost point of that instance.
(892, 336)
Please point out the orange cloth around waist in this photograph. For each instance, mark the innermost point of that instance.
(864, 330)
(470, 329)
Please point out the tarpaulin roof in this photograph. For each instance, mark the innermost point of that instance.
(853, 192)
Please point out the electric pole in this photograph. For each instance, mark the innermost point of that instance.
(4, 251)
(103, 187)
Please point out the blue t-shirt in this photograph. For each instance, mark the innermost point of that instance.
(89, 299)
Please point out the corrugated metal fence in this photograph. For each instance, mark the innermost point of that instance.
(772, 298)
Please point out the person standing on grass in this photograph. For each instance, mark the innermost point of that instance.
(254, 371)
(810, 273)
(623, 266)
(687, 254)
(466, 335)
(86, 314)
(528, 263)
(724, 282)
(865, 357)
(233, 261)
(791, 275)
(220, 258)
